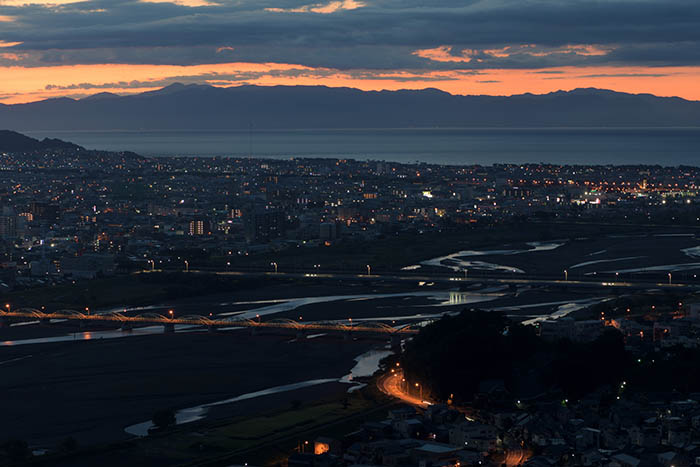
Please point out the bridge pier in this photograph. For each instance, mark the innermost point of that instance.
(211, 329)
(254, 331)
(347, 336)
(44, 321)
(168, 328)
(127, 326)
(81, 323)
(301, 334)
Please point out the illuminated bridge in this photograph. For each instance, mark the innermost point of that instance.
(169, 322)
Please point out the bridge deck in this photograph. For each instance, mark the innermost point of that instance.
(152, 318)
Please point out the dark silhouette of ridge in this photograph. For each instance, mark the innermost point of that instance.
(180, 107)
(11, 141)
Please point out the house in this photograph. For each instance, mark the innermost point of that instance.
(624, 460)
(474, 436)
(402, 413)
(408, 428)
(666, 459)
(432, 453)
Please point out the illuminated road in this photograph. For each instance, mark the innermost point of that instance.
(452, 279)
(393, 385)
(516, 457)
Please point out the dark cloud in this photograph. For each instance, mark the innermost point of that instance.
(229, 79)
(625, 75)
(381, 35)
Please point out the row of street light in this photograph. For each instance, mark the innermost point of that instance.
(152, 262)
(617, 275)
(369, 270)
(318, 266)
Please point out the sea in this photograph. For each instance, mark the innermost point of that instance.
(449, 146)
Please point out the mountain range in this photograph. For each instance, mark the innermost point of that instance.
(198, 107)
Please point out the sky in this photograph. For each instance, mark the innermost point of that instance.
(56, 48)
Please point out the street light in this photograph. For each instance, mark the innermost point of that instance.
(153, 264)
(171, 313)
(7, 306)
(566, 274)
(187, 266)
(275, 266)
(369, 270)
(669, 278)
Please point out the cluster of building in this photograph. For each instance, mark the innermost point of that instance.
(615, 426)
(653, 430)
(644, 332)
(437, 436)
(165, 211)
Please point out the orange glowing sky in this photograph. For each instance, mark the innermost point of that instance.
(75, 48)
(22, 84)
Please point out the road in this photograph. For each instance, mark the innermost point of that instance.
(454, 279)
(392, 383)
(516, 457)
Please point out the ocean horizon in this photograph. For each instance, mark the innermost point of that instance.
(448, 146)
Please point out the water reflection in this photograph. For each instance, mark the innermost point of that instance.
(457, 264)
(93, 335)
(192, 414)
(365, 365)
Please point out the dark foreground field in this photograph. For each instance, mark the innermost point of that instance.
(92, 390)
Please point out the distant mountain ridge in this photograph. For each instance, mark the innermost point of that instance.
(199, 107)
(11, 141)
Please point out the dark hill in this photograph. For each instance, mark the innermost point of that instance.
(11, 141)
